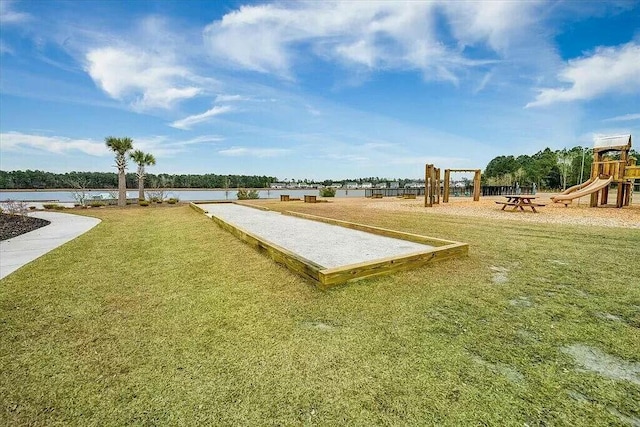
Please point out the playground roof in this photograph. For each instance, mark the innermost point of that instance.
(612, 142)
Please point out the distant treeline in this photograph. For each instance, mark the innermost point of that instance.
(44, 180)
(546, 168)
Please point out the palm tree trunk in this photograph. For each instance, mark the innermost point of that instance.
(122, 188)
(140, 183)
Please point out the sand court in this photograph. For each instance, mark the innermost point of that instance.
(323, 247)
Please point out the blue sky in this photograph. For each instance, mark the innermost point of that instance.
(312, 89)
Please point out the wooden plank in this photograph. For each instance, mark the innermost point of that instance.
(632, 172)
(292, 261)
(416, 238)
(335, 276)
(284, 197)
(197, 208)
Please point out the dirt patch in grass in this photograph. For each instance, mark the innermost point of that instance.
(499, 274)
(14, 225)
(500, 368)
(595, 360)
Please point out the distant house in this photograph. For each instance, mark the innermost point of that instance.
(350, 185)
(394, 184)
(414, 184)
(366, 185)
(276, 185)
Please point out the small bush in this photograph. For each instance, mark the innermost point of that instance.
(32, 208)
(96, 204)
(244, 194)
(159, 202)
(172, 201)
(58, 207)
(15, 207)
(328, 192)
(143, 203)
(50, 206)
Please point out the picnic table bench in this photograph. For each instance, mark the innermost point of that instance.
(520, 202)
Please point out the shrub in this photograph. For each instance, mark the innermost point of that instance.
(328, 192)
(58, 207)
(15, 207)
(50, 206)
(159, 201)
(33, 208)
(96, 204)
(244, 194)
(172, 201)
(143, 203)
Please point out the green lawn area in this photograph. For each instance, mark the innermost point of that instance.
(159, 317)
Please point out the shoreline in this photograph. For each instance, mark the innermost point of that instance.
(44, 190)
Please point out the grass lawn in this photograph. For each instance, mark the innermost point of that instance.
(158, 317)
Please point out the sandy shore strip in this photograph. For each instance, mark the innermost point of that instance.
(327, 245)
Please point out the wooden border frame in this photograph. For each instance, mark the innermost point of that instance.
(326, 277)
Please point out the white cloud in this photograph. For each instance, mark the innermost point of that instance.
(623, 118)
(164, 146)
(146, 79)
(159, 146)
(5, 48)
(369, 35)
(9, 16)
(188, 122)
(607, 70)
(231, 98)
(254, 152)
(16, 141)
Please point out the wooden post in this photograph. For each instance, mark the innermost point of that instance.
(437, 186)
(429, 178)
(476, 186)
(620, 199)
(447, 178)
(427, 175)
(594, 174)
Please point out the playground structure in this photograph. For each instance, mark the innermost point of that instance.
(432, 184)
(605, 172)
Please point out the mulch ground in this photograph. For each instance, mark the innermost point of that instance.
(15, 225)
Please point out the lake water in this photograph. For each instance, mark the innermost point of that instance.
(182, 194)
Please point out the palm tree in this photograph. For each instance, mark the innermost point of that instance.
(142, 159)
(120, 146)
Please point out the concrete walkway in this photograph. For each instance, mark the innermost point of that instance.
(21, 250)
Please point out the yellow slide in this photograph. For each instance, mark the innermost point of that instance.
(596, 185)
(578, 186)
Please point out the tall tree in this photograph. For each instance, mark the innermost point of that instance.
(120, 146)
(142, 159)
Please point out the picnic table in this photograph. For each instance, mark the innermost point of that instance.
(520, 202)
